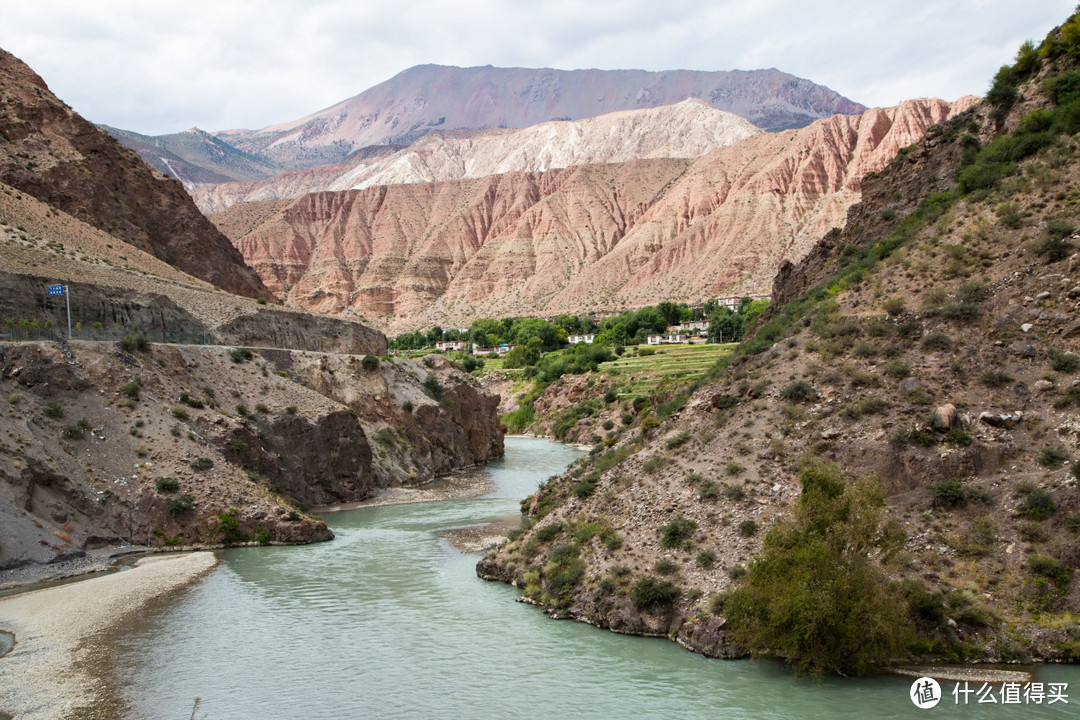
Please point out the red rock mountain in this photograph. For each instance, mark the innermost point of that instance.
(50, 152)
(685, 130)
(429, 97)
(587, 238)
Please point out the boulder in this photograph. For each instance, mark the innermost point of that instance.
(944, 418)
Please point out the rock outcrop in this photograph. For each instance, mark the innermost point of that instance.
(589, 238)
(51, 153)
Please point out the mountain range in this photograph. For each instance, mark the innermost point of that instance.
(590, 238)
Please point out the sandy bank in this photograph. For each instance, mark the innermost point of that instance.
(463, 485)
(53, 670)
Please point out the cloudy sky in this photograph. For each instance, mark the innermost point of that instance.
(158, 66)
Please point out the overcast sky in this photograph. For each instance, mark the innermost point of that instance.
(158, 66)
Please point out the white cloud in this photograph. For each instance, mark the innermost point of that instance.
(162, 66)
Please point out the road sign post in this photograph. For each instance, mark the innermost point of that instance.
(63, 290)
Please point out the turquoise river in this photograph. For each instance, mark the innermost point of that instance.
(390, 621)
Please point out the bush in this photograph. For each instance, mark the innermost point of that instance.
(705, 558)
(677, 440)
(75, 431)
(948, 493)
(549, 532)
(134, 342)
(1066, 362)
(229, 528)
(937, 341)
(799, 391)
(240, 355)
(179, 413)
(131, 389)
(167, 485)
(1052, 456)
(180, 505)
(201, 463)
(649, 593)
(608, 424)
(748, 528)
(433, 387)
(995, 378)
(813, 596)
(677, 532)
(262, 408)
(1038, 505)
(665, 567)
(894, 305)
(733, 468)
(708, 490)
(370, 363)
(54, 410)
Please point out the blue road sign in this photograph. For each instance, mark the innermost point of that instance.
(56, 289)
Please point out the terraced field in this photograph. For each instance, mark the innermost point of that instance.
(644, 374)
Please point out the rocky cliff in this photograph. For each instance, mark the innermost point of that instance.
(432, 97)
(590, 238)
(685, 130)
(102, 445)
(48, 151)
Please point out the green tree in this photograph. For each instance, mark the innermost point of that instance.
(814, 597)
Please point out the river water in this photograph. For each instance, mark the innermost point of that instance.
(390, 621)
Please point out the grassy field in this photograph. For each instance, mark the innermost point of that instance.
(637, 374)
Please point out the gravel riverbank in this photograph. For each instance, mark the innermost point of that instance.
(54, 670)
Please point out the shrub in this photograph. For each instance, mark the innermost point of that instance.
(748, 528)
(897, 368)
(134, 342)
(894, 305)
(677, 440)
(627, 419)
(937, 341)
(180, 505)
(708, 490)
(813, 596)
(649, 593)
(677, 532)
(75, 431)
(549, 532)
(179, 413)
(1038, 505)
(995, 377)
(242, 410)
(733, 468)
(705, 558)
(201, 463)
(799, 391)
(240, 355)
(229, 528)
(290, 409)
(734, 492)
(665, 567)
(407, 406)
(54, 410)
(610, 396)
(608, 424)
(948, 493)
(131, 389)
(1052, 456)
(1066, 362)
(237, 446)
(370, 363)
(433, 387)
(167, 485)
(262, 408)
